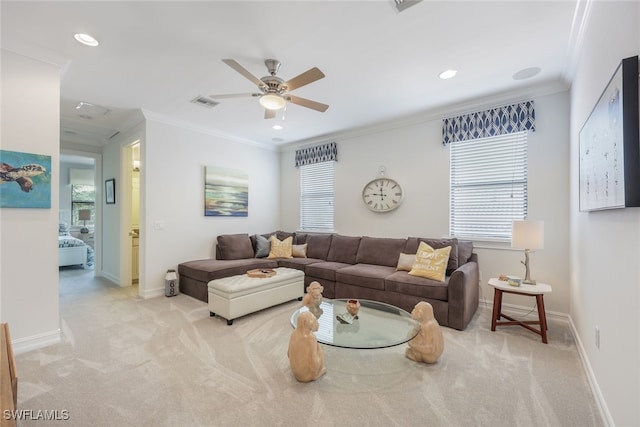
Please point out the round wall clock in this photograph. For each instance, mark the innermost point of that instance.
(382, 194)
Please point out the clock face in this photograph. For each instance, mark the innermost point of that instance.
(382, 195)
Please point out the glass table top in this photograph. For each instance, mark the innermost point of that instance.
(377, 324)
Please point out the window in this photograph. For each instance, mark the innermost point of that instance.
(316, 196)
(82, 197)
(488, 186)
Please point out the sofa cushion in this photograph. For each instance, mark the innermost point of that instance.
(234, 246)
(298, 263)
(343, 249)
(405, 262)
(281, 248)
(380, 251)
(205, 270)
(365, 275)
(430, 263)
(413, 242)
(465, 249)
(281, 235)
(318, 245)
(324, 270)
(300, 238)
(402, 283)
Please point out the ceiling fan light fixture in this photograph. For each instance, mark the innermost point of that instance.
(271, 101)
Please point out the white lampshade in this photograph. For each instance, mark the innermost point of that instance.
(527, 234)
(272, 101)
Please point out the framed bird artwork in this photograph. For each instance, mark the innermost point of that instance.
(25, 180)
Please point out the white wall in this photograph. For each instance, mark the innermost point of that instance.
(173, 226)
(605, 245)
(414, 156)
(111, 214)
(28, 251)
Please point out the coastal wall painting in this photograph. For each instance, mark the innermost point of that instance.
(226, 192)
(25, 180)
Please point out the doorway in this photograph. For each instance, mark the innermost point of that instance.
(83, 216)
(130, 215)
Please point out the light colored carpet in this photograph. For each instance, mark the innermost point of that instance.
(125, 361)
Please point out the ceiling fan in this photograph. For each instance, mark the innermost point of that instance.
(275, 92)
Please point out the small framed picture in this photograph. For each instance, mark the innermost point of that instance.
(110, 191)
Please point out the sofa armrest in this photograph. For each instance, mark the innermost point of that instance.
(464, 287)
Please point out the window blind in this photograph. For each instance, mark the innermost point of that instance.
(316, 196)
(488, 186)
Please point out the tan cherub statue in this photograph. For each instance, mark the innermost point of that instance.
(428, 345)
(306, 358)
(313, 298)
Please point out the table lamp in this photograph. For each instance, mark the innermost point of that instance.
(528, 235)
(84, 215)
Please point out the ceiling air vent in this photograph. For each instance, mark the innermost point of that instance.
(403, 4)
(204, 101)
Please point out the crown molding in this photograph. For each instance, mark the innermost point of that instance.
(150, 115)
(508, 97)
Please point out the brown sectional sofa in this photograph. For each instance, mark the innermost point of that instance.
(352, 267)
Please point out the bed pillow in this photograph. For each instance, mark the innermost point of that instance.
(63, 229)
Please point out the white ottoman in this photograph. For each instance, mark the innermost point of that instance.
(235, 296)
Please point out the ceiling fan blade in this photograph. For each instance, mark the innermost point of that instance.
(240, 69)
(269, 114)
(318, 106)
(234, 95)
(305, 78)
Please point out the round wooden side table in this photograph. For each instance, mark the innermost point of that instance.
(538, 290)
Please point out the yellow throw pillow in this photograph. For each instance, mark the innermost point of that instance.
(431, 263)
(281, 248)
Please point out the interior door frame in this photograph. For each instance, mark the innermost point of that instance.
(97, 177)
(126, 250)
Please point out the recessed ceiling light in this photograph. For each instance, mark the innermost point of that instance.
(526, 73)
(277, 127)
(448, 74)
(85, 39)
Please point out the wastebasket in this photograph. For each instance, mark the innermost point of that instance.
(171, 283)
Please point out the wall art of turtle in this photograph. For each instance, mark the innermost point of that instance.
(25, 180)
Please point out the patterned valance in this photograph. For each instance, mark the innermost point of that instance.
(496, 121)
(317, 154)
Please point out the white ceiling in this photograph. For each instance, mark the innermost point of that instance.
(380, 64)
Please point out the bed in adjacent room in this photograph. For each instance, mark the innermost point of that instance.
(73, 251)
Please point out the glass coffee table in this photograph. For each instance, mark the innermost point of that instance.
(377, 325)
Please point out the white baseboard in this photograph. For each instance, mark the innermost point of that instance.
(34, 342)
(153, 293)
(110, 277)
(519, 310)
(593, 382)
